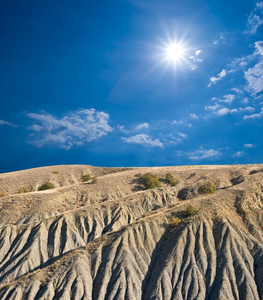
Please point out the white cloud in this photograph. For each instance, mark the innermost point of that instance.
(245, 100)
(73, 129)
(254, 77)
(196, 59)
(141, 126)
(203, 154)
(249, 108)
(254, 20)
(212, 107)
(225, 111)
(193, 116)
(143, 139)
(123, 129)
(221, 39)
(178, 122)
(238, 154)
(183, 135)
(239, 63)
(249, 145)
(238, 91)
(259, 47)
(2, 122)
(228, 98)
(254, 116)
(220, 75)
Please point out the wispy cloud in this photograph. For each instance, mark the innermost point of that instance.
(225, 111)
(193, 116)
(236, 64)
(227, 98)
(142, 126)
(222, 111)
(215, 79)
(183, 135)
(123, 129)
(205, 154)
(238, 154)
(238, 91)
(249, 145)
(75, 128)
(178, 122)
(254, 116)
(255, 19)
(212, 107)
(196, 59)
(248, 108)
(143, 139)
(220, 40)
(254, 77)
(2, 122)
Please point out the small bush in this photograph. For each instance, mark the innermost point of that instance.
(3, 194)
(151, 180)
(170, 179)
(190, 211)
(55, 172)
(94, 180)
(175, 222)
(46, 186)
(86, 177)
(23, 189)
(207, 188)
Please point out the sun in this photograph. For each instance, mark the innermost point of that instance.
(174, 52)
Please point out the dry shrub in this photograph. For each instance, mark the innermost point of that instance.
(46, 186)
(86, 177)
(151, 180)
(94, 180)
(175, 222)
(207, 188)
(190, 211)
(23, 189)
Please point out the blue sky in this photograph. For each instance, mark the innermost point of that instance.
(93, 82)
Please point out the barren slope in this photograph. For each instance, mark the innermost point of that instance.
(114, 240)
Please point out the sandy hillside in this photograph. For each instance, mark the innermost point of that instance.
(114, 239)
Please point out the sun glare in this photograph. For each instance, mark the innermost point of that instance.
(175, 52)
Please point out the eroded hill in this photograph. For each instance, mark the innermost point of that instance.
(116, 240)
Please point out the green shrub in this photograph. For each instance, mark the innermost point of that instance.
(207, 188)
(94, 180)
(190, 211)
(175, 222)
(170, 179)
(23, 189)
(86, 177)
(151, 180)
(46, 186)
